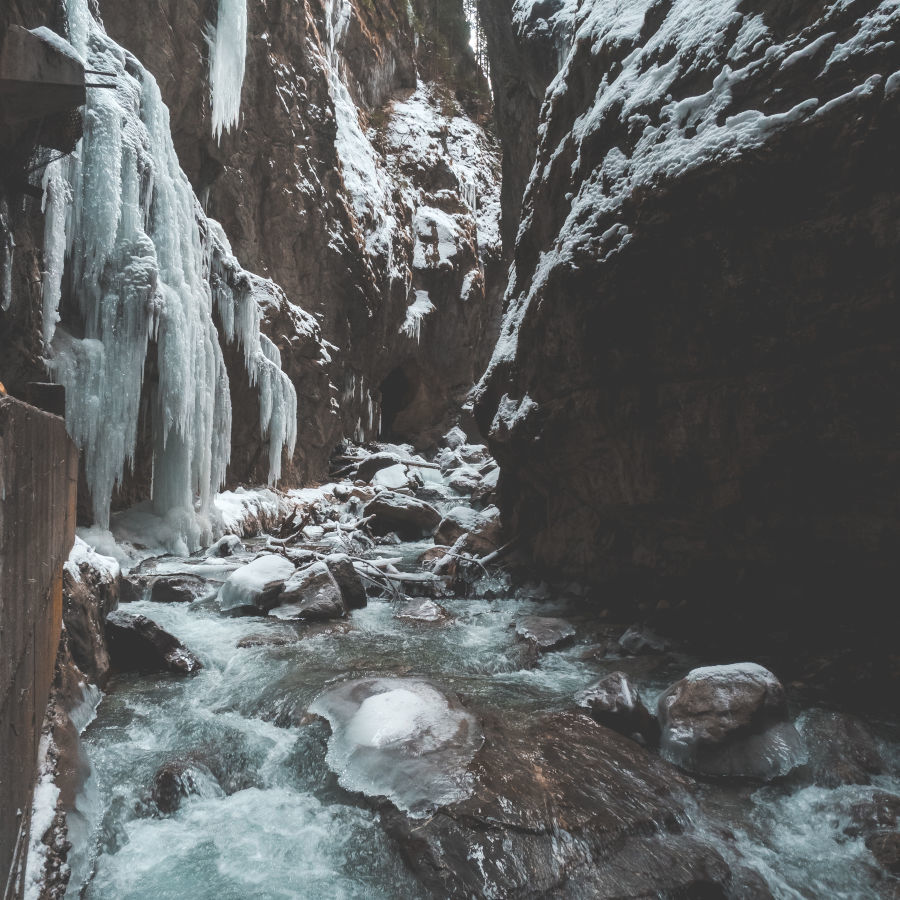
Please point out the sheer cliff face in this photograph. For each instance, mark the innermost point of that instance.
(374, 204)
(695, 393)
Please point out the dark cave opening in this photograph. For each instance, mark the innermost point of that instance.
(398, 390)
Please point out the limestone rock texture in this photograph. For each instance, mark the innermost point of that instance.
(360, 179)
(694, 398)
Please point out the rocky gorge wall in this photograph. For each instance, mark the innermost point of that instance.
(694, 399)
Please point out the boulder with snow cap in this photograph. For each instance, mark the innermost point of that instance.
(729, 721)
(407, 516)
(311, 594)
(454, 438)
(136, 642)
(368, 468)
(227, 545)
(456, 522)
(614, 701)
(394, 478)
(465, 480)
(254, 587)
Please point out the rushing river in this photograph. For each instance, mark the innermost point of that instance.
(274, 822)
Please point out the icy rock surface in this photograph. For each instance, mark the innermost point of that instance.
(126, 237)
(256, 584)
(400, 738)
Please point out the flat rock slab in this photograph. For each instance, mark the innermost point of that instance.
(136, 642)
(545, 633)
(535, 779)
(423, 611)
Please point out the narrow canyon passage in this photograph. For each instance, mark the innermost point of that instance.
(251, 777)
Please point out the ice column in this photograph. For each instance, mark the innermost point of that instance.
(140, 254)
(227, 56)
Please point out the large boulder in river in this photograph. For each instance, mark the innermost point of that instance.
(310, 594)
(409, 517)
(729, 721)
(373, 464)
(353, 591)
(255, 586)
(558, 806)
(457, 521)
(177, 588)
(614, 701)
(136, 642)
(178, 779)
(545, 633)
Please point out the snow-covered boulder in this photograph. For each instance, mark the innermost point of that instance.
(310, 594)
(400, 738)
(545, 633)
(405, 515)
(729, 721)
(255, 586)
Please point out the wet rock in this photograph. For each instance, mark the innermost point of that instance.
(885, 847)
(880, 810)
(456, 522)
(614, 701)
(638, 640)
(310, 594)
(538, 777)
(464, 481)
(454, 438)
(841, 749)
(250, 641)
(419, 609)
(353, 591)
(473, 454)
(409, 517)
(254, 587)
(227, 545)
(368, 468)
(136, 642)
(176, 780)
(729, 721)
(545, 633)
(486, 491)
(177, 588)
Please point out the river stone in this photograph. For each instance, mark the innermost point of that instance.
(545, 633)
(368, 468)
(177, 588)
(136, 642)
(614, 701)
(400, 738)
(885, 847)
(393, 478)
(729, 721)
(311, 594)
(353, 591)
(638, 640)
(559, 806)
(841, 749)
(227, 545)
(255, 586)
(408, 516)
(454, 438)
(456, 522)
(420, 609)
(464, 480)
(178, 779)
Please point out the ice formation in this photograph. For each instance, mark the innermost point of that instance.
(415, 312)
(146, 267)
(227, 56)
(400, 738)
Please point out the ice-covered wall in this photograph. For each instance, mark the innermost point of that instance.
(145, 266)
(227, 56)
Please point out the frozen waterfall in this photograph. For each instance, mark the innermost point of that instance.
(227, 56)
(146, 268)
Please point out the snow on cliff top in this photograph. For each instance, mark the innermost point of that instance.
(655, 138)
